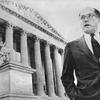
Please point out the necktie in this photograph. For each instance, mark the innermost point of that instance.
(95, 46)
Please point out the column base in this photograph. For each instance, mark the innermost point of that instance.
(24, 97)
(15, 79)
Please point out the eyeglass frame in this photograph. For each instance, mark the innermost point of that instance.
(88, 16)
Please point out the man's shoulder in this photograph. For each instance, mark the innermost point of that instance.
(74, 42)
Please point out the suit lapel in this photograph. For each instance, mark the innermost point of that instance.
(86, 50)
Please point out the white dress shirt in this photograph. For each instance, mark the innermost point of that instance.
(88, 40)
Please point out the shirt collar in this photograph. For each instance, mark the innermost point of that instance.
(97, 35)
(88, 37)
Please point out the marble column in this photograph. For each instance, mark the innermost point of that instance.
(49, 71)
(24, 48)
(39, 70)
(57, 70)
(9, 40)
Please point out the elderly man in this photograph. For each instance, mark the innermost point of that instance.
(83, 56)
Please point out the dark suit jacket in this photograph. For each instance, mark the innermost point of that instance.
(78, 57)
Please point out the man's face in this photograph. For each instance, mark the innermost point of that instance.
(89, 21)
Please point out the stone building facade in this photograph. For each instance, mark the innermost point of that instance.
(30, 55)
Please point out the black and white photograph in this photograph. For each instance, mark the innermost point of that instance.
(49, 50)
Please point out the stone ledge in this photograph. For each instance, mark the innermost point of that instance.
(32, 97)
(16, 66)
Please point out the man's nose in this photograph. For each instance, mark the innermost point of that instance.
(86, 19)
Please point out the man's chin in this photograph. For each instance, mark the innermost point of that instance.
(89, 32)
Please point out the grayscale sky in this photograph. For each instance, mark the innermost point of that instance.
(63, 14)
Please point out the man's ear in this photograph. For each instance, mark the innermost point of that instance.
(99, 20)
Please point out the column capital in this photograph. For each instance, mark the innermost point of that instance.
(55, 47)
(61, 51)
(22, 32)
(10, 25)
(36, 38)
(58, 49)
(46, 43)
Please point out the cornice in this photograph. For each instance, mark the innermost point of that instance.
(16, 66)
(31, 23)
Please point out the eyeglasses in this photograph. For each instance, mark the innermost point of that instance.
(88, 16)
